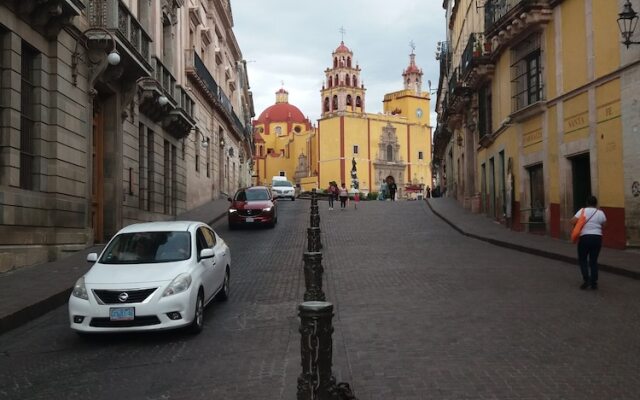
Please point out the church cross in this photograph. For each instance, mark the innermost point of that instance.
(342, 32)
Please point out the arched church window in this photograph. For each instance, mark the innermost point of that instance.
(358, 101)
(349, 62)
(335, 62)
(349, 102)
(347, 80)
(337, 81)
(326, 104)
(355, 81)
(389, 152)
(330, 81)
(278, 130)
(334, 105)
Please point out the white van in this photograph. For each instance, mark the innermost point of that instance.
(281, 187)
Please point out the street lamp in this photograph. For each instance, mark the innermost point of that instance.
(205, 140)
(627, 22)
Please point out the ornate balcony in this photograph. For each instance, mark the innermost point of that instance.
(198, 73)
(132, 41)
(505, 20)
(151, 90)
(476, 61)
(180, 120)
(47, 16)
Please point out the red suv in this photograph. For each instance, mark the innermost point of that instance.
(252, 206)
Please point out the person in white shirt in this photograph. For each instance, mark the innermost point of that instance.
(590, 242)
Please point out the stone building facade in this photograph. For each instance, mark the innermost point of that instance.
(101, 124)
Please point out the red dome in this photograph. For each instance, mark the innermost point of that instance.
(282, 112)
(342, 49)
(412, 68)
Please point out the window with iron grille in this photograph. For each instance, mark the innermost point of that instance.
(150, 169)
(142, 161)
(27, 117)
(484, 111)
(167, 177)
(208, 150)
(526, 73)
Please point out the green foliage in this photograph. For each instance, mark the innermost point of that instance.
(372, 196)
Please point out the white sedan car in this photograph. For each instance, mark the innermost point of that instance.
(281, 189)
(152, 276)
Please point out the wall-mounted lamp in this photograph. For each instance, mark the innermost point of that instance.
(163, 100)
(627, 22)
(222, 142)
(113, 57)
(205, 140)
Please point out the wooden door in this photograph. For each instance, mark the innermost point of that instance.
(97, 165)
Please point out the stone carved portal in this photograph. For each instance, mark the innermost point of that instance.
(302, 170)
(389, 162)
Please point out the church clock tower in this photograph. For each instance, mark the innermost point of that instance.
(342, 91)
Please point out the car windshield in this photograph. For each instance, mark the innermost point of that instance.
(282, 183)
(252, 195)
(148, 247)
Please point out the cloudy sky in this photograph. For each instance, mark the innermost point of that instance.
(291, 41)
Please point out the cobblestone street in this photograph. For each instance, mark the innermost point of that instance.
(422, 312)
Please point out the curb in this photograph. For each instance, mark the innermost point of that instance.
(537, 252)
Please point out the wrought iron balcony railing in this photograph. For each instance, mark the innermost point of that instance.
(114, 16)
(166, 79)
(495, 10)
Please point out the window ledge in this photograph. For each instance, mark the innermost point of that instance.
(529, 111)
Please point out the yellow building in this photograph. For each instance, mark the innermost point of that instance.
(531, 119)
(285, 144)
(393, 145)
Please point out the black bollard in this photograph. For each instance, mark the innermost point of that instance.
(313, 239)
(313, 271)
(316, 380)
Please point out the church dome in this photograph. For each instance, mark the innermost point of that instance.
(282, 111)
(342, 49)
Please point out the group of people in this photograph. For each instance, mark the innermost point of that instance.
(341, 193)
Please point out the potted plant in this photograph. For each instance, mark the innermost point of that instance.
(477, 49)
(487, 47)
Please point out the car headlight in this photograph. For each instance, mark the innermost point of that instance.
(266, 209)
(80, 290)
(178, 285)
(232, 210)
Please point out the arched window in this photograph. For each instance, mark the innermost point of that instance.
(349, 103)
(355, 81)
(335, 62)
(389, 152)
(330, 81)
(358, 102)
(337, 81)
(347, 80)
(349, 62)
(334, 105)
(326, 104)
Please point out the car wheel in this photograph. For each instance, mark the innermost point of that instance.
(293, 198)
(232, 226)
(198, 315)
(223, 294)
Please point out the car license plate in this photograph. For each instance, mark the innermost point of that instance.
(249, 219)
(122, 314)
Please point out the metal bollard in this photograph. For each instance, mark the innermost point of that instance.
(313, 271)
(313, 239)
(316, 381)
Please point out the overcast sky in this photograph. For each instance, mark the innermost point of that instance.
(292, 41)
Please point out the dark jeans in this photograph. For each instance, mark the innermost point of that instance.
(588, 251)
(393, 195)
(343, 201)
(330, 201)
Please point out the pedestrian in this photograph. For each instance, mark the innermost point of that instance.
(392, 190)
(344, 195)
(333, 188)
(428, 192)
(356, 199)
(590, 241)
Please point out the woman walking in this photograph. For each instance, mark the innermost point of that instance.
(332, 193)
(590, 241)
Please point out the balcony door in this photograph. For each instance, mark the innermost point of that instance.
(97, 181)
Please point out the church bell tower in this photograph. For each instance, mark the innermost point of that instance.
(342, 90)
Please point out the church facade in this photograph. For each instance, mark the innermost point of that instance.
(349, 145)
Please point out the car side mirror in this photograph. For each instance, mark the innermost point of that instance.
(229, 198)
(92, 257)
(206, 253)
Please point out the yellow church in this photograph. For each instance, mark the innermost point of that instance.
(348, 145)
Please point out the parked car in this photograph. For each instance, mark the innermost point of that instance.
(253, 206)
(283, 188)
(152, 276)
